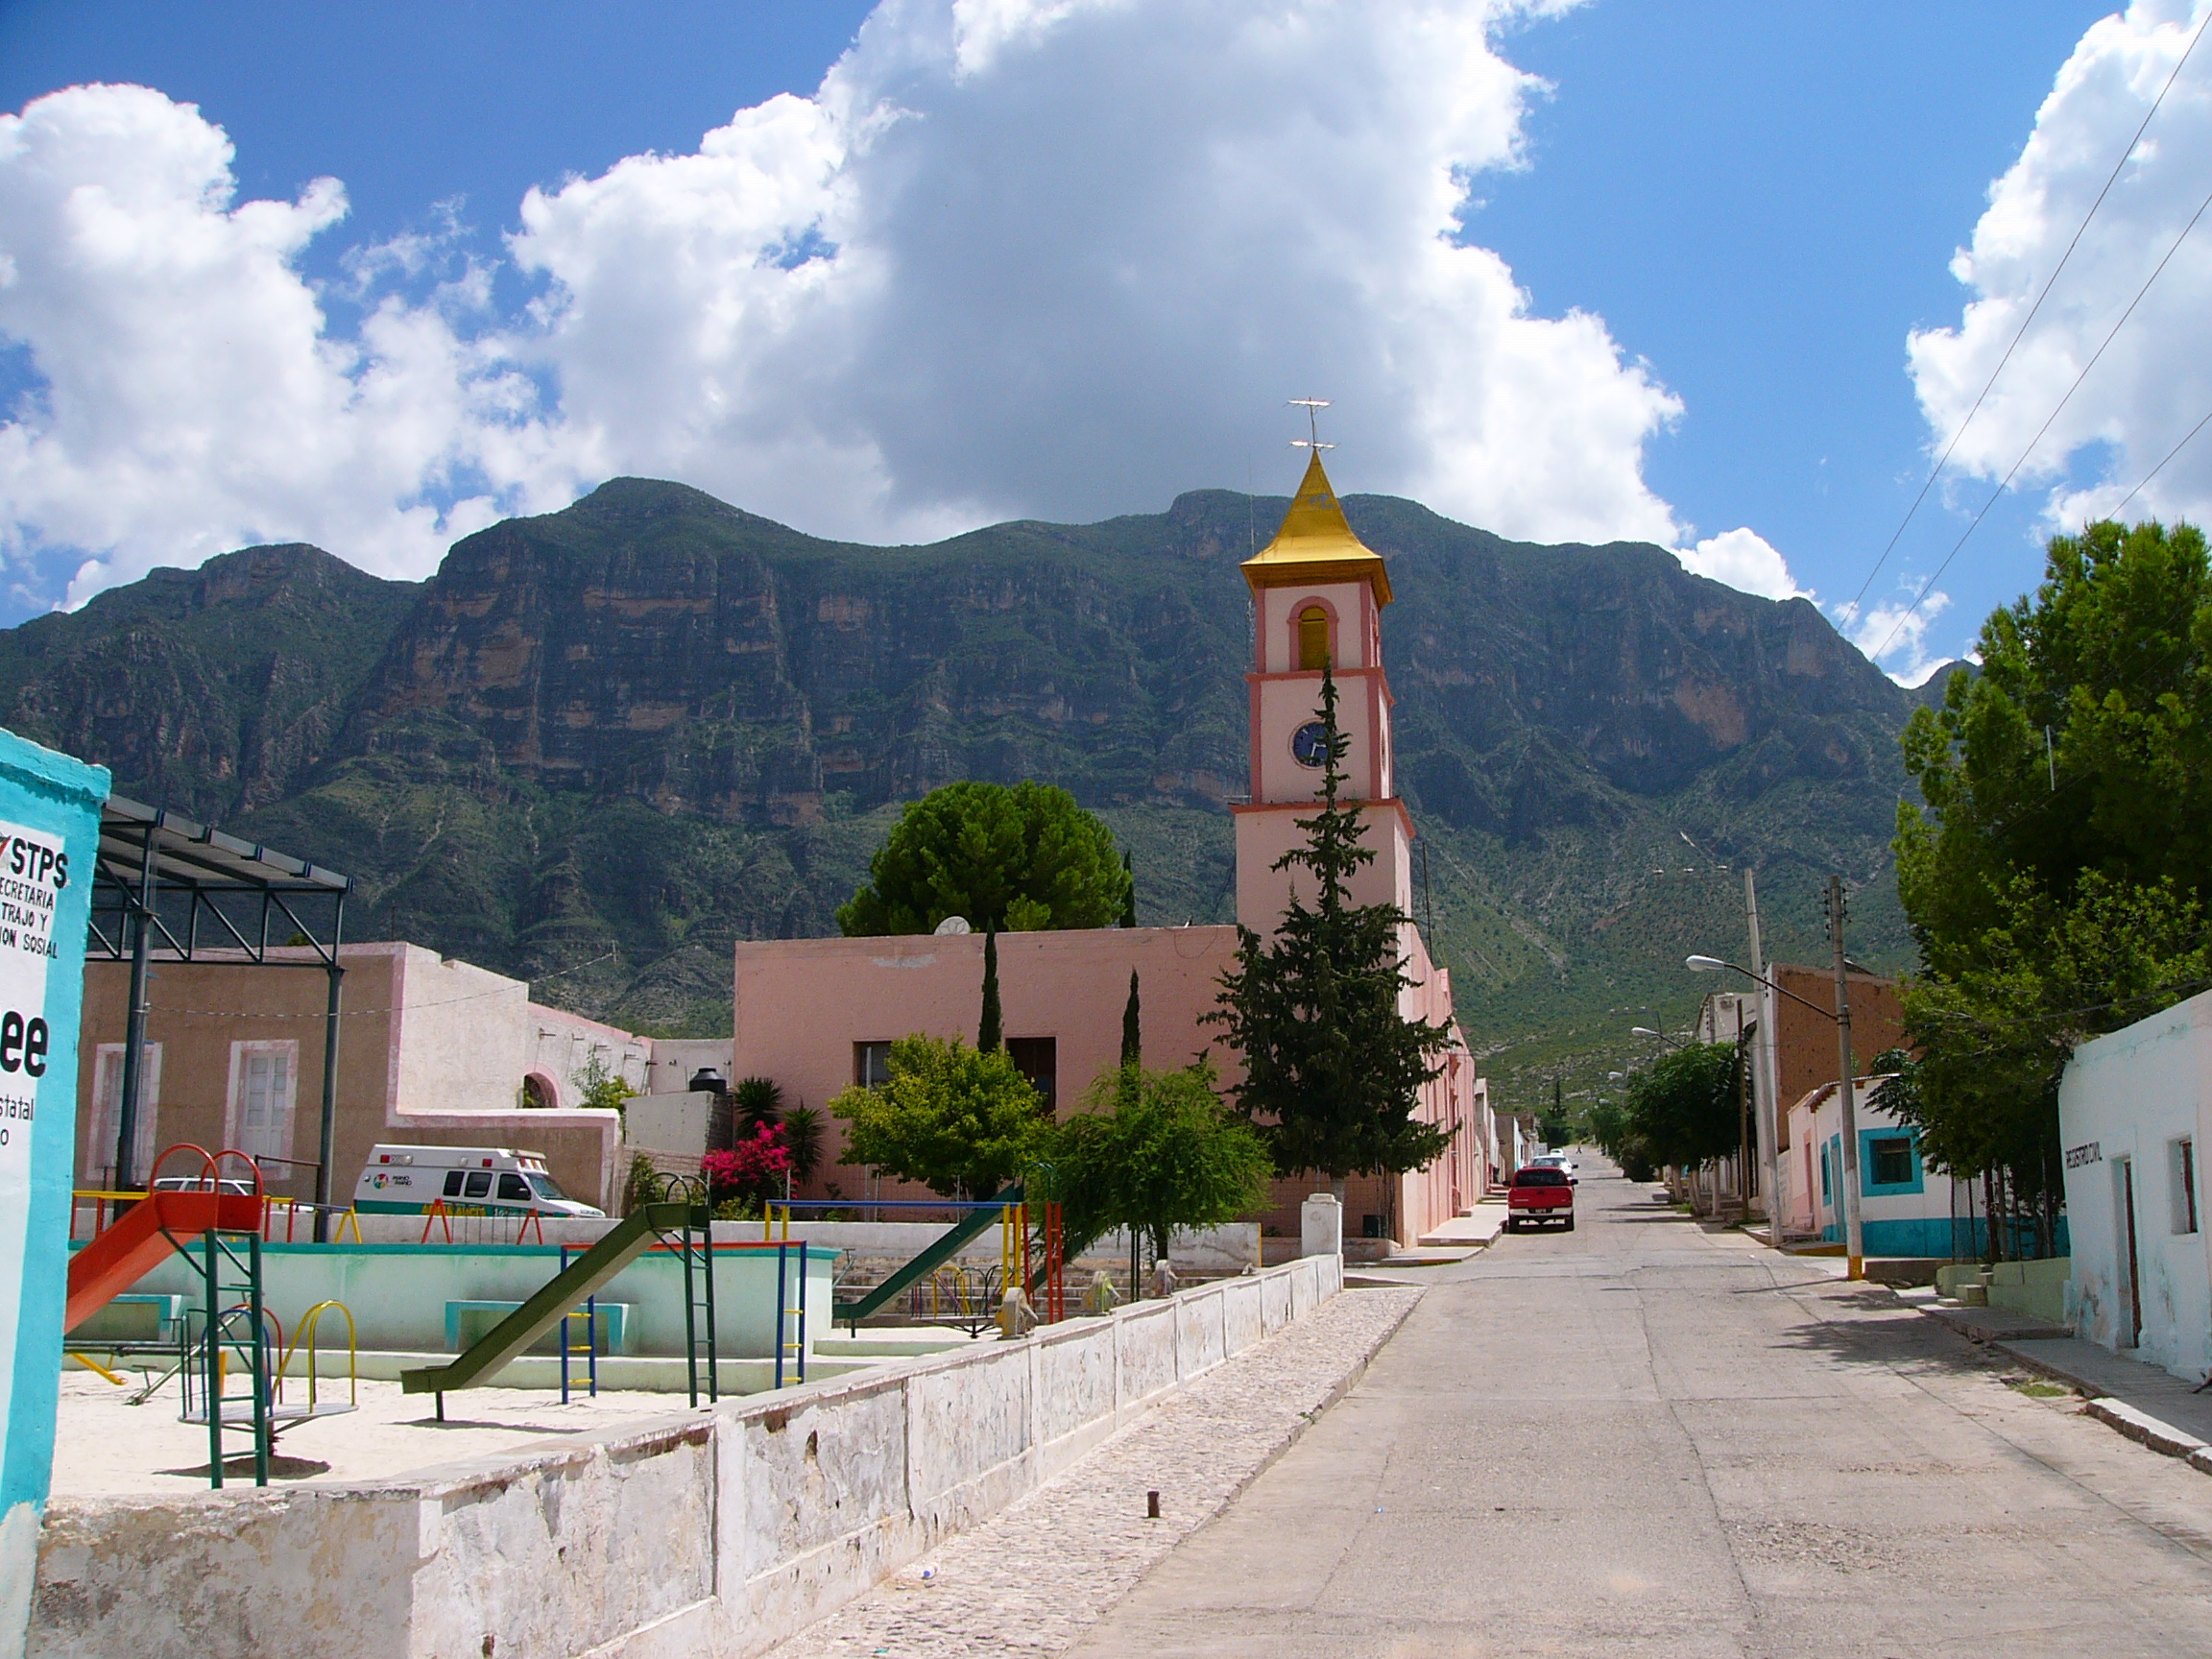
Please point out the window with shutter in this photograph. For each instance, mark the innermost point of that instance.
(262, 1090)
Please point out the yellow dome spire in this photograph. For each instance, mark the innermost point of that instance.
(1315, 543)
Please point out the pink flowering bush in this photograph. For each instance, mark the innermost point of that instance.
(752, 1169)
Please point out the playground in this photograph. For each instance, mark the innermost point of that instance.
(207, 1342)
(107, 1446)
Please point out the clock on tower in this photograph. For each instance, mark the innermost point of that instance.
(1317, 594)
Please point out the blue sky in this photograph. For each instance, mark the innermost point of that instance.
(1066, 258)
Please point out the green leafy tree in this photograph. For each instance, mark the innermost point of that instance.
(956, 1119)
(1685, 1110)
(601, 1086)
(1155, 1151)
(2051, 874)
(1022, 858)
(1333, 1069)
(989, 1026)
(1609, 1128)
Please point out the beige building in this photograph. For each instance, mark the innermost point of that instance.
(431, 1051)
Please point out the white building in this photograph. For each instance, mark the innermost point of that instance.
(1905, 1208)
(2134, 1109)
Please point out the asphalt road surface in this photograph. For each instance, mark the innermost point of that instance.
(1643, 1437)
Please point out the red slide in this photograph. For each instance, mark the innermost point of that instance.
(144, 1237)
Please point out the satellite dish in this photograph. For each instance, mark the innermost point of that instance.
(953, 926)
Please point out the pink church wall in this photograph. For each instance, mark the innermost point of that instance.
(802, 1004)
(1354, 634)
(1264, 834)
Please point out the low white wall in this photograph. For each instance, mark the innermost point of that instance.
(718, 1532)
(1226, 1249)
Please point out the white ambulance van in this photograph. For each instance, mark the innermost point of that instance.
(467, 1180)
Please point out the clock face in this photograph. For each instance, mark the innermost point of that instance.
(1310, 745)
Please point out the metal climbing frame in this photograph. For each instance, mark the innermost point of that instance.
(694, 1242)
(1014, 1247)
(1055, 1281)
(791, 1317)
(303, 1337)
(588, 1316)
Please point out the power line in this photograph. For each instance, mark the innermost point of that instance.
(2161, 466)
(2112, 179)
(2005, 482)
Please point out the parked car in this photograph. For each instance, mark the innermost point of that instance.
(466, 1180)
(1540, 1193)
(1556, 1161)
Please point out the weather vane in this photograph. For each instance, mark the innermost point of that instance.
(1313, 407)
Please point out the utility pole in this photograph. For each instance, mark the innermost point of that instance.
(1854, 1237)
(1766, 1122)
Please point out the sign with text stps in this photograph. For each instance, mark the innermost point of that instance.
(49, 834)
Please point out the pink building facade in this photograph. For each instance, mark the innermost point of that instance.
(818, 1015)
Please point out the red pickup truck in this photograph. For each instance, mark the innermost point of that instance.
(1540, 1194)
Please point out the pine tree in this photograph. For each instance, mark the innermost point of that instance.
(1132, 1030)
(989, 1033)
(1333, 1070)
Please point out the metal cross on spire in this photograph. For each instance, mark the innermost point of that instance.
(1313, 407)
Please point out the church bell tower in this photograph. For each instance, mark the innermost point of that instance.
(1317, 594)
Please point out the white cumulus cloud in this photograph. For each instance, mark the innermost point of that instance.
(1894, 632)
(1041, 257)
(2155, 381)
(194, 398)
(1742, 558)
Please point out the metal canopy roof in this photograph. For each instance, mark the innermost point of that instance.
(204, 892)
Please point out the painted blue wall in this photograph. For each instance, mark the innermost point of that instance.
(49, 807)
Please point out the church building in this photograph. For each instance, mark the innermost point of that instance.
(819, 1015)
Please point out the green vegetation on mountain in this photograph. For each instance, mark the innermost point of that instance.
(601, 745)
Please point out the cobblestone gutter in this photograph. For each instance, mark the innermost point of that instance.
(1035, 1577)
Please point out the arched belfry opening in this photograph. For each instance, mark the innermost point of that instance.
(1312, 639)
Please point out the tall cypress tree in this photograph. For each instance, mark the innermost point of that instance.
(988, 1032)
(1333, 1070)
(1129, 899)
(1132, 1030)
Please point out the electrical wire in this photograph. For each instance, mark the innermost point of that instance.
(2005, 482)
(2019, 333)
(2161, 466)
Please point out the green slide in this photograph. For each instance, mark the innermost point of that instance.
(631, 1238)
(939, 1253)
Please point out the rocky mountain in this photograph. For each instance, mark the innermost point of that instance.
(600, 745)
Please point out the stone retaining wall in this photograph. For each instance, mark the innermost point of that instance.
(708, 1533)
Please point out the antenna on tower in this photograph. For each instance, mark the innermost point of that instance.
(1313, 407)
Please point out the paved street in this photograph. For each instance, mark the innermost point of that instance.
(1643, 1438)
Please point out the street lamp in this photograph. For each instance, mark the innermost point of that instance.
(1854, 1233)
(1647, 1031)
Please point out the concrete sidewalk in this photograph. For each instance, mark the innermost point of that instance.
(1486, 1221)
(2155, 1407)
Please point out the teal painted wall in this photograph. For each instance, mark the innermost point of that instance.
(397, 1293)
(49, 837)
